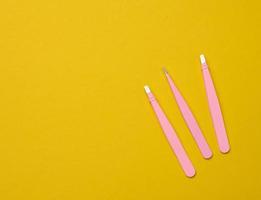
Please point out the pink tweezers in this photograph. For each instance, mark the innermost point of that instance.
(214, 107)
(171, 136)
(190, 120)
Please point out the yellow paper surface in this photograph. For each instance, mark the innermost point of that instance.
(75, 122)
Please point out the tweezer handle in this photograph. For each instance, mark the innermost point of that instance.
(172, 138)
(215, 111)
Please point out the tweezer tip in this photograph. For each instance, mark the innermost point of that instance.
(164, 70)
(202, 59)
(147, 89)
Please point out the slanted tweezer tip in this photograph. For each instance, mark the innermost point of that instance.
(147, 89)
(202, 59)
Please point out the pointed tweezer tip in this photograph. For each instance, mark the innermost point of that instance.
(164, 70)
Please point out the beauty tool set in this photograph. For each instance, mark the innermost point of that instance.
(191, 122)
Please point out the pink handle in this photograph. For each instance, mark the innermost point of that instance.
(215, 111)
(190, 120)
(172, 138)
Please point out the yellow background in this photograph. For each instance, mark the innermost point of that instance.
(75, 122)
